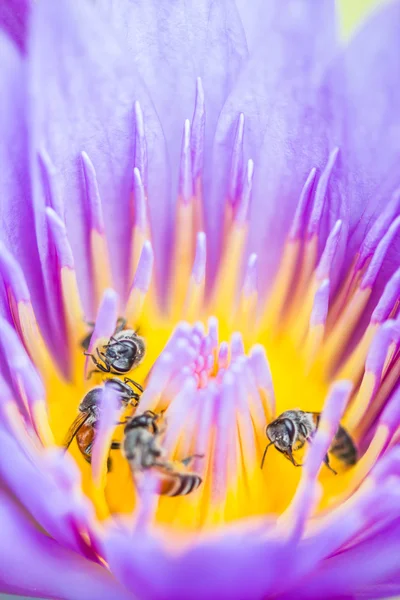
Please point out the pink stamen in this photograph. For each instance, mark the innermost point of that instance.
(139, 199)
(237, 346)
(391, 416)
(186, 174)
(105, 323)
(59, 237)
(213, 331)
(262, 373)
(379, 255)
(198, 129)
(144, 270)
(93, 200)
(236, 174)
(140, 159)
(199, 265)
(223, 355)
(178, 412)
(243, 206)
(110, 412)
(50, 184)
(320, 194)
(378, 229)
(324, 269)
(319, 312)
(250, 279)
(13, 276)
(379, 350)
(244, 368)
(387, 301)
(299, 218)
(25, 378)
(224, 420)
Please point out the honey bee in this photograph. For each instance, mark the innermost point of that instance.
(84, 426)
(85, 343)
(142, 450)
(124, 351)
(293, 428)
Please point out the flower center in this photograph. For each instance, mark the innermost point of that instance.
(222, 360)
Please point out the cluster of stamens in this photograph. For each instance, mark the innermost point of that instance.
(217, 397)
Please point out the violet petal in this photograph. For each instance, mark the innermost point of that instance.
(34, 564)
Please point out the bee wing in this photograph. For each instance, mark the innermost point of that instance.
(75, 427)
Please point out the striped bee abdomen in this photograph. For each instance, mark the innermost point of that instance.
(180, 484)
(343, 447)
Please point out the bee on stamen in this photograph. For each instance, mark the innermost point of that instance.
(293, 428)
(142, 450)
(84, 426)
(123, 352)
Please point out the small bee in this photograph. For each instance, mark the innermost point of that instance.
(84, 426)
(124, 351)
(293, 428)
(142, 450)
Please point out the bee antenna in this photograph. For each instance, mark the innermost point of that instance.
(265, 453)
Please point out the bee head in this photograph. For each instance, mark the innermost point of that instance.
(281, 433)
(124, 354)
(146, 420)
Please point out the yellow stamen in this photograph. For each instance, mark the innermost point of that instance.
(354, 365)
(194, 299)
(360, 404)
(281, 285)
(228, 276)
(344, 326)
(302, 280)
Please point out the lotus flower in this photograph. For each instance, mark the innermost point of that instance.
(225, 178)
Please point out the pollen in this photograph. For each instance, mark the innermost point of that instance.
(223, 357)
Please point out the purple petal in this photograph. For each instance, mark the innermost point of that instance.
(14, 16)
(84, 87)
(366, 101)
(237, 565)
(32, 563)
(280, 93)
(52, 506)
(373, 562)
(16, 214)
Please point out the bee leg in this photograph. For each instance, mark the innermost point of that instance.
(99, 366)
(94, 359)
(101, 355)
(326, 461)
(137, 385)
(289, 455)
(109, 464)
(186, 461)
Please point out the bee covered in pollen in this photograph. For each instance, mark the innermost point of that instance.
(293, 428)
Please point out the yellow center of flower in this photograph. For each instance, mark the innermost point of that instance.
(221, 363)
(227, 426)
